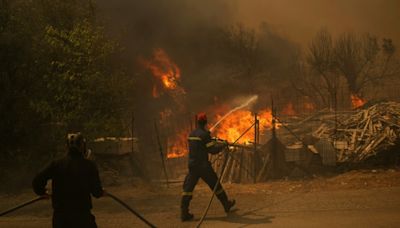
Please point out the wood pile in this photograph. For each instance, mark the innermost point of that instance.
(363, 134)
(356, 135)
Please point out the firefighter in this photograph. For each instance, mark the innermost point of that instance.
(74, 179)
(200, 145)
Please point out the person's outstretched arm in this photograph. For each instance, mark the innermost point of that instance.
(40, 180)
(212, 146)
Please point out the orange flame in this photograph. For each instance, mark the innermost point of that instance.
(288, 110)
(234, 125)
(229, 129)
(179, 145)
(356, 101)
(164, 70)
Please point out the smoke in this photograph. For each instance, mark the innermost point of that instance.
(300, 20)
(194, 34)
(168, 24)
(197, 37)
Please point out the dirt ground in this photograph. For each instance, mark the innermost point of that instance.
(363, 198)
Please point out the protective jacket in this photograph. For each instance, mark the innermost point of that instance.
(200, 145)
(74, 179)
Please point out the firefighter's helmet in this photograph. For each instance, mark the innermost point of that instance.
(76, 142)
(201, 118)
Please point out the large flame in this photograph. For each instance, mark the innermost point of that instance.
(356, 101)
(238, 122)
(229, 129)
(165, 71)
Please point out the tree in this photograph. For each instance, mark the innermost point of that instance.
(356, 60)
(57, 69)
(362, 61)
(242, 52)
(257, 57)
(317, 73)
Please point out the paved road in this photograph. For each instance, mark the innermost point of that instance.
(341, 208)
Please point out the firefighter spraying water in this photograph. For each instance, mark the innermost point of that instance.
(200, 145)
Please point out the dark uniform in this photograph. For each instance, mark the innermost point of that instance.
(74, 179)
(200, 145)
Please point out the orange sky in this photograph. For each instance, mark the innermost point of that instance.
(300, 19)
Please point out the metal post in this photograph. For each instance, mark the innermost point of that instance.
(132, 131)
(255, 157)
(273, 152)
(161, 152)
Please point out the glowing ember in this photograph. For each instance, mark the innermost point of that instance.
(164, 70)
(356, 101)
(288, 110)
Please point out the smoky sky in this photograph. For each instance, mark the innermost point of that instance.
(300, 19)
(162, 22)
(157, 22)
(188, 30)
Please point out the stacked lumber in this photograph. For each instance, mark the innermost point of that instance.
(363, 134)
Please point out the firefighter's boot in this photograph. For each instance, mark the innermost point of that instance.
(228, 204)
(185, 215)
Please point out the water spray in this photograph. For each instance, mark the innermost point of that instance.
(245, 104)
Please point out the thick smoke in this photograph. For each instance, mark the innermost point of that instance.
(300, 20)
(226, 49)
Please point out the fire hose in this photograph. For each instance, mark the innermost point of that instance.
(219, 178)
(129, 209)
(23, 205)
(34, 200)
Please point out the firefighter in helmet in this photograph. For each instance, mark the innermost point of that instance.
(200, 145)
(74, 180)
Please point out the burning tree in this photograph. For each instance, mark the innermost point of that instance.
(168, 100)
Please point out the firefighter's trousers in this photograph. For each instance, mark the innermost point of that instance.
(207, 174)
(76, 219)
